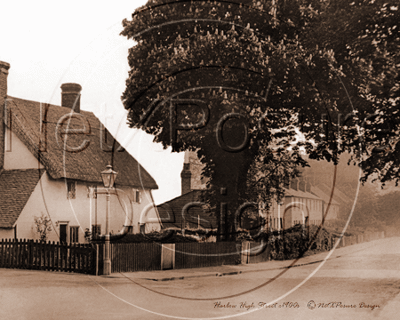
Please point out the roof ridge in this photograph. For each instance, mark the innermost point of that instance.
(53, 105)
(181, 195)
(84, 163)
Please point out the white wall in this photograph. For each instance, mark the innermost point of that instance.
(50, 198)
(333, 211)
(297, 209)
(19, 157)
(6, 233)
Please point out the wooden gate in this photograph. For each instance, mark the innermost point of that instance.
(168, 256)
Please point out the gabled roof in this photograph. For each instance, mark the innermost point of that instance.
(300, 194)
(84, 164)
(16, 187)
(337, 194)
(318, 192)
(172, 216)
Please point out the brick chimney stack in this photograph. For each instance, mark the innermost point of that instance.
(71, 96)
(302, 185)
(4, 66)
(308, 186)
(295, 184)
(186, 175)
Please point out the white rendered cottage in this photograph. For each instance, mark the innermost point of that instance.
(51, 158)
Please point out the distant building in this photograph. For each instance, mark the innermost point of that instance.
(299, 206)
(331, 206)
(191, 177)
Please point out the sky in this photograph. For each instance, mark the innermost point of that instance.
(48, 43)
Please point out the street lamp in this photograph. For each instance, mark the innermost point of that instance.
(108, 176)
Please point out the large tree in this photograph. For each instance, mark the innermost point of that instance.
(237, 80)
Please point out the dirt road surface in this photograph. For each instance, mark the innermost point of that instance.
(356, 282)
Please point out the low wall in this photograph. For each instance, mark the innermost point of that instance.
(350, 240)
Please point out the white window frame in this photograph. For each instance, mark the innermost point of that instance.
(94, 228)
(70, 194)
(72, 230)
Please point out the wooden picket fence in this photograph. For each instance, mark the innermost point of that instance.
(50, 256)
(128, 257)
(131, 257)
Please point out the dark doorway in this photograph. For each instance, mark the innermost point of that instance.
(63, 233)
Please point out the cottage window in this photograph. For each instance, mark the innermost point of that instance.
(74, 234)
(136, 196)
(96, 229)
(71, 186)
(92, 191)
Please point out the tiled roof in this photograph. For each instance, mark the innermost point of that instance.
(337, 194)
(300, 194)
(171, 212)
(16, 187)
(85, 164)
(318, 192)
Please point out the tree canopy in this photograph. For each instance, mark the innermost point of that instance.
(240, 80)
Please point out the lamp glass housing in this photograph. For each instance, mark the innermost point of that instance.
(108, 176)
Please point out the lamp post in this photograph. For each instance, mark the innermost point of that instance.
(108, 176)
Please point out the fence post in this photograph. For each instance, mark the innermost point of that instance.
(25, 259)
(12, 253)
(50, 256)
(15, 260)
(29, 252)
(8, 253)
(78, 258)
(17, 253)
(64, 256)
(97, 260)
(81, 258)
(71, 253)
(11, 249)
(53, 255)
(21, 262)
(245, 252)
(37, 255)
(4, 258)
(1, 253)
(46, 255)
(57, 253)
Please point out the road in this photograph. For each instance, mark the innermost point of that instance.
(356, 282)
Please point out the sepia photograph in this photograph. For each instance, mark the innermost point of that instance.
(202, 159)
